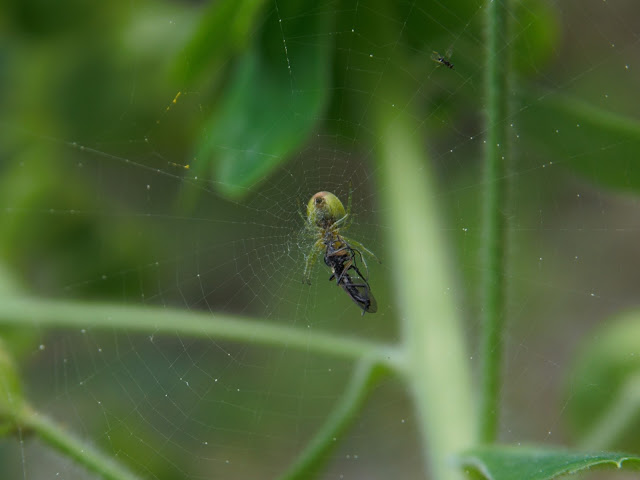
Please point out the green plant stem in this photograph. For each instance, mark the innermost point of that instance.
(309, 462)
(66, 443)
(494, 250)
(437, 371)
(25, 311)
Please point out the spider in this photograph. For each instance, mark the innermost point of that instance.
(326, 218)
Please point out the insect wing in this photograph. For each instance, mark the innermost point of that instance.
(447, 58)
(359, 291)
(342, 259)
(443, 59)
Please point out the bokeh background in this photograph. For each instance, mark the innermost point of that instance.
(159, 153)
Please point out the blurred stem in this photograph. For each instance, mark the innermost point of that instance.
(67, 444)
(310, 461)
(436, 363)
(17, 416)
(616, 420)
(495, 192)
(149, 320)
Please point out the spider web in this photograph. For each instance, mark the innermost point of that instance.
(108, 209)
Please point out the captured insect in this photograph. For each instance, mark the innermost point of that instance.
(442, 59)
(326, 218)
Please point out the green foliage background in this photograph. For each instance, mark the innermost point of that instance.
(87, 121)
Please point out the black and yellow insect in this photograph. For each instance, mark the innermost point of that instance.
(326, 218)
(442, 59)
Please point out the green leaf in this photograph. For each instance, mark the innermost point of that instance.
(272, 103)
(599, 145)
(225, 29)
(604, 389)
(502, 462)
(46, 251)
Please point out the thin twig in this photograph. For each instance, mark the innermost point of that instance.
(57, 437)
(308, 463)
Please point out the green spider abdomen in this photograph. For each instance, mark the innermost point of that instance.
(324, 209)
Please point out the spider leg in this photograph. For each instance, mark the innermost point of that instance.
(349, 217)
(300, 210)
(364, 262)
(310, 261)
(340, 220)
(359, 246)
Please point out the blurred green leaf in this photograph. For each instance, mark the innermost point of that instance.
(11, 399)
(535, 45)
(8, 284)
(434, 31)
(43, 19)
(273, 101)
(503, 462)
(604, 389)
(47, 244)
(224, 30)
(599, 145)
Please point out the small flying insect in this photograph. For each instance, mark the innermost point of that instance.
(442, 59)
(326, 218)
